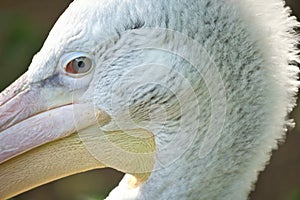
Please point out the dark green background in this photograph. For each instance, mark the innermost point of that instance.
(23, 28)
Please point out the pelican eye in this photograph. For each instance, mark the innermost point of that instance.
(77, 64)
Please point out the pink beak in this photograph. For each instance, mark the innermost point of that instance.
(32, 124)
(27, 120)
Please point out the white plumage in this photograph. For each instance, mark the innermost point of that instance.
(212, 80)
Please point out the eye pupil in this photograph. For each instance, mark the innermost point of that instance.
(81, 64)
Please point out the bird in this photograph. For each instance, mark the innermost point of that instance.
(188, 98)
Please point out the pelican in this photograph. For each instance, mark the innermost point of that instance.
(188, 98)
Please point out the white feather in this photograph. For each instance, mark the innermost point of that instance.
(212, 79)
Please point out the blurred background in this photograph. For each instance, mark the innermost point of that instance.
(24, 25)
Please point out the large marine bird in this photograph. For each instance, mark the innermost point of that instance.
(188, 98)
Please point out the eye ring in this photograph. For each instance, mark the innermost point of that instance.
(76, 64)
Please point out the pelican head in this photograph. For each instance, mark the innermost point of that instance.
(188, 98)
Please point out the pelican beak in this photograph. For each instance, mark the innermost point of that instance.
(32, 125)
(39, 136)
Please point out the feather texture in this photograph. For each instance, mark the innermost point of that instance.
(213, 80)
